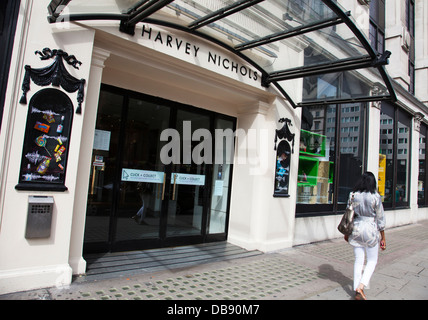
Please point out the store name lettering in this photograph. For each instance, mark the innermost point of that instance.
(193, 50)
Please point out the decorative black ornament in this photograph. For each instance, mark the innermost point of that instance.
(283, 155)
(46, 142)
(55, 74)
(285, 132)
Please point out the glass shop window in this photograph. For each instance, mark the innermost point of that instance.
(403, 159)
(422, 178)
(331, 155)
(394, 156)
(316, 155)
(386, 156)
(222, 171)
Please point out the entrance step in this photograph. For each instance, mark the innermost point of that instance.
(119, 264)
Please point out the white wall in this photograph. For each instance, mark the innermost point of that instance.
(30, 263)
(257, 219)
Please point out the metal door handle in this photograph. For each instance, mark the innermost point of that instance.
(163, 186)
(173, 190)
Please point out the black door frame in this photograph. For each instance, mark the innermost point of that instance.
(162, 241)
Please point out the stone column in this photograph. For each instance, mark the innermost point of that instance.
(76, 261)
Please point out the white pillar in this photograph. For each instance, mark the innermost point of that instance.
(373, 137)
(245, 225)
(414, 157)
(76, 261)
(257, 219)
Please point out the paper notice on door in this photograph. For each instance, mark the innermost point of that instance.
(218, 188)
(102, 140)
(188, 179)
(134, 175)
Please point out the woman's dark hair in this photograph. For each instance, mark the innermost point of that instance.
(367, 183)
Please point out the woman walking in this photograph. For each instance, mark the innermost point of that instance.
(368, 231)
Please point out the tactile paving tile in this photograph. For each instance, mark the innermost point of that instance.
(255, 280)
(338, 250)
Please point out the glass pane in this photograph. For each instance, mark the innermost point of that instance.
(422, 165)
(339, 85)
(142, 176)
(288, 27)
(403, 159)
(316, 157)
(373, 36)
(101, 6)
(352, 147)
(271, 20)
(251, 23)
(221, 176)
(386, 151)
(188, 179)
(103, 169)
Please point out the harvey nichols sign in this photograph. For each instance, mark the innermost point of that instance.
(194, 51)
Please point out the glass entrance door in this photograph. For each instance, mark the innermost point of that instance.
(189, 178)
(141, 192)
(138, 199)
(102, 184)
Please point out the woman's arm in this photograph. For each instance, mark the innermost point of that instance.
(382, 240)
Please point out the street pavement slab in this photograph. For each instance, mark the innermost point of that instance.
(316, 271)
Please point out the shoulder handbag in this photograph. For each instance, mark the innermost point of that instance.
(347, 223)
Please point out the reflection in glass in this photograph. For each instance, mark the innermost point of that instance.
(403, 159)
(316, 155)
(422, 164)
(386, 152)
(140, 199)
(186, 204)
(351, 151)
(318, 152)
(102, 176)
(221, 177)
(394, 155)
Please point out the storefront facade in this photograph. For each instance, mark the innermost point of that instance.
(154, 135)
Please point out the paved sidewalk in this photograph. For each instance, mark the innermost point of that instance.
(320, 271)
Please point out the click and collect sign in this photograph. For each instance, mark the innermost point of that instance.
(134, 175)
(188, 179)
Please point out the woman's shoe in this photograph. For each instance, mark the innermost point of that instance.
(359, 295)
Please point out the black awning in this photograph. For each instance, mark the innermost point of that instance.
(305, 48)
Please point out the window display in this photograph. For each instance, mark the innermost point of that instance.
(316, 156)
(282, 175)
(394, 156)
(46, 142)
(283, 153)
(327, 173)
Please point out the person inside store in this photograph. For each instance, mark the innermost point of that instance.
(368, 232)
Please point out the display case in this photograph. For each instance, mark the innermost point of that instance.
(316, 172)
(308, 171)
(282, 171)
(46, 141)
(312, 144)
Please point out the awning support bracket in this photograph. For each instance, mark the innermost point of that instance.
(382, 59)
(139, 14)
